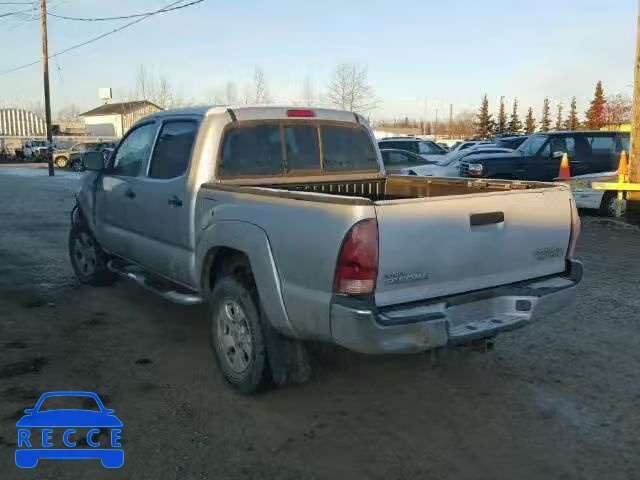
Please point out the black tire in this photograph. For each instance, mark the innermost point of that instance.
(608, 205)
(88, 260)
(61, 162)
(237, 335)
(77, 165)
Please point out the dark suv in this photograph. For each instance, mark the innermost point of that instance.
(539, 157)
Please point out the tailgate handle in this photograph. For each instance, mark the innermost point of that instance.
(478, 219)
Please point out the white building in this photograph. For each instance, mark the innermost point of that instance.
(114, 119)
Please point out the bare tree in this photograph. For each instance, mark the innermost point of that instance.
(165, 93)
(144, 84)
(260, 87)
(231, 93)
(69, 113)
(246, 94)
(308, 96)
(350, 90)
(617, 109)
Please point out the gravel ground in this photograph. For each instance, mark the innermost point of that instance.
(557, 400)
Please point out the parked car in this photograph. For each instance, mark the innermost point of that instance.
(34, 150)
(283, 221)
(443, 145)
(425, 148)
(449, 165)
(463, 145)
(511, 142)
(72, 157)
(605, 202)
(402, 161)
(538, 158)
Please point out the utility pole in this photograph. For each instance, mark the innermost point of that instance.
(424, 125)
(633, 204)
(45, 66)
(450, 121)
(435, 128)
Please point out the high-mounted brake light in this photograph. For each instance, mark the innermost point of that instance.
(357, 267)
(300, 113)
(575, 229)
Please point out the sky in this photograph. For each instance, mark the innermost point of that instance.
(449, 52)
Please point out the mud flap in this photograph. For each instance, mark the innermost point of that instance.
(288, 358)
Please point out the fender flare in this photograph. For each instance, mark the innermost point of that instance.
(252, 241)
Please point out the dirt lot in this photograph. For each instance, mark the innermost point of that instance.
(560, 399)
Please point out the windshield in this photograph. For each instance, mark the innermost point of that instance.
(451, 157)
(532, 145)
(66, 402)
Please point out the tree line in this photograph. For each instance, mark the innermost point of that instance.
(612, 110)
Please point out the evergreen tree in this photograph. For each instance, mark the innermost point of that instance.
(572, 122)
(501, 127)
(559, 123)
(545, 123)
(515, 125)
(530, 122)
(484, 121)
(595, 114)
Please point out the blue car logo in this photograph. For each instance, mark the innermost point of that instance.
(47, 426)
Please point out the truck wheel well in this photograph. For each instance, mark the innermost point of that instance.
(222, 261)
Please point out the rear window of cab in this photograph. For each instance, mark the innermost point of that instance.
(279, 149)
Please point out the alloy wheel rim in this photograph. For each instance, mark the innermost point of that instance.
(234, 337)
(84, 254)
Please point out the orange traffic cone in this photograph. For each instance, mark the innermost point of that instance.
(623, 166)
(564, 173)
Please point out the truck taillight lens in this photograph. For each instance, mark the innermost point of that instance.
(357, 267)
(575, 230)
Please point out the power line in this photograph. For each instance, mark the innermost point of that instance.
(126, 25)
(124, 17)
(18, 12)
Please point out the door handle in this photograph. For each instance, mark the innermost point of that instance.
(174, 201)
(129, 193)
(490, 218)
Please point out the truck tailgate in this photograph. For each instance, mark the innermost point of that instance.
(432, 247)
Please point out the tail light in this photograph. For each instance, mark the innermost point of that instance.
(357, 267)
(575, 229)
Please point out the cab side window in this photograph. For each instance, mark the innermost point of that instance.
(134, 150)
(172, 153)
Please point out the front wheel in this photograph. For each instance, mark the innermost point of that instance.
(236, 334)
(60, 162)
(88, 260)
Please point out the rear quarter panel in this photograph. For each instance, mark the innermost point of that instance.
(304, 238)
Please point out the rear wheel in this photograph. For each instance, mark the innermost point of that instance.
(237, 333)
(88, 260)
(77, 165)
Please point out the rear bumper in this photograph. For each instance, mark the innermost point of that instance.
(453, 320)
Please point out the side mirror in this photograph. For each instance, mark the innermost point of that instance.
(93, 161)
(29, 411)
(558, 154)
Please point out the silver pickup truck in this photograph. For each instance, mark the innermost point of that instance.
(284, 221)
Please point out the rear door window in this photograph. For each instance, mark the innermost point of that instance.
(347, 149)
(249, 151)
(601, 145)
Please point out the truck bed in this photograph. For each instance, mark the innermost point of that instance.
(380, 189)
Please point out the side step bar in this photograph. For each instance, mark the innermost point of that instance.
(182, 298)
